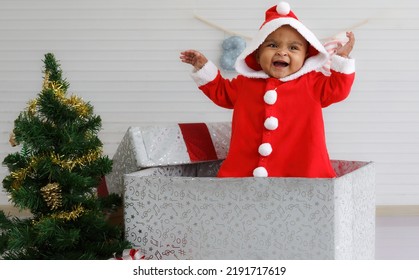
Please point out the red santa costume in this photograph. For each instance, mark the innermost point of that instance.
(277, 124)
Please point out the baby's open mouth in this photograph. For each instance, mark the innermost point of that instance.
(280, 63)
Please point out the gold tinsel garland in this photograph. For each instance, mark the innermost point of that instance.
(46, 80)
(68, 164)
(72, 215)
(77, 212)
(32, 107)
(52, 195)
(82, 109)
(73, 101)
(20, 174)
(76, 102)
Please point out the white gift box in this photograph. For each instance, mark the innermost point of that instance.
(253, 218)
(176, 209)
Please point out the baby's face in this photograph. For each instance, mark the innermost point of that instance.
(283, 52)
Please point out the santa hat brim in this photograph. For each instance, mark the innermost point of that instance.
(247, 65)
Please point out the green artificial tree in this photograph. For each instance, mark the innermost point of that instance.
(55, 176)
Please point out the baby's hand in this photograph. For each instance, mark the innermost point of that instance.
(195, 58)
(345, 50)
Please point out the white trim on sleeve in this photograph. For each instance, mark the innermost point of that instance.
(342, 65)
(206, 74)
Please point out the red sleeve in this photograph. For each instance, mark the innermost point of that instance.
(334, 88)
(221, 91)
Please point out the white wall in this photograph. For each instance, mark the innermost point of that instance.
(122, 57)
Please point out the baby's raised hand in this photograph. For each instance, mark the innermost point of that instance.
(195, 58)
(345, 50)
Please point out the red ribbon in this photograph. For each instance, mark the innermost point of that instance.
(198, 142)
(102, 189)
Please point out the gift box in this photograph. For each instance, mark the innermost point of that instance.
(175, 208)
(253, 218)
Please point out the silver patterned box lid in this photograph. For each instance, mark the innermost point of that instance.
(167, 145)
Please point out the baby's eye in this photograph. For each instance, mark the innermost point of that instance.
(271, 45)
(294, 47)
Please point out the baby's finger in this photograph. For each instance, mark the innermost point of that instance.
(351, 37)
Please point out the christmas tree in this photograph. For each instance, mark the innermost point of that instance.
(55, 176)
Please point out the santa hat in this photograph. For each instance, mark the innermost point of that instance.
(275, 17)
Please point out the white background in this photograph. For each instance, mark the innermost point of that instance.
(123, 57)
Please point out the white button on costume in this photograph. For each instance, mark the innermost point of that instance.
(271, 123)
(260, 172)
(265, 149)
(270, 97)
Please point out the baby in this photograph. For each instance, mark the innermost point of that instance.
(277, 98)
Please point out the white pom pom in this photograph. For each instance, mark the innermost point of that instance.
(265, 149)
(270, 97)
(283, 8)
(260, 172)
(271, 123)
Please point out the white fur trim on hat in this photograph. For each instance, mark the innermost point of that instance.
(271, 123)
(270, 97)
(265, 149)
(312, 63)
(260, 172)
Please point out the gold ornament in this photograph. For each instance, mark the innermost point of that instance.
(52, 195)
(12, 139)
